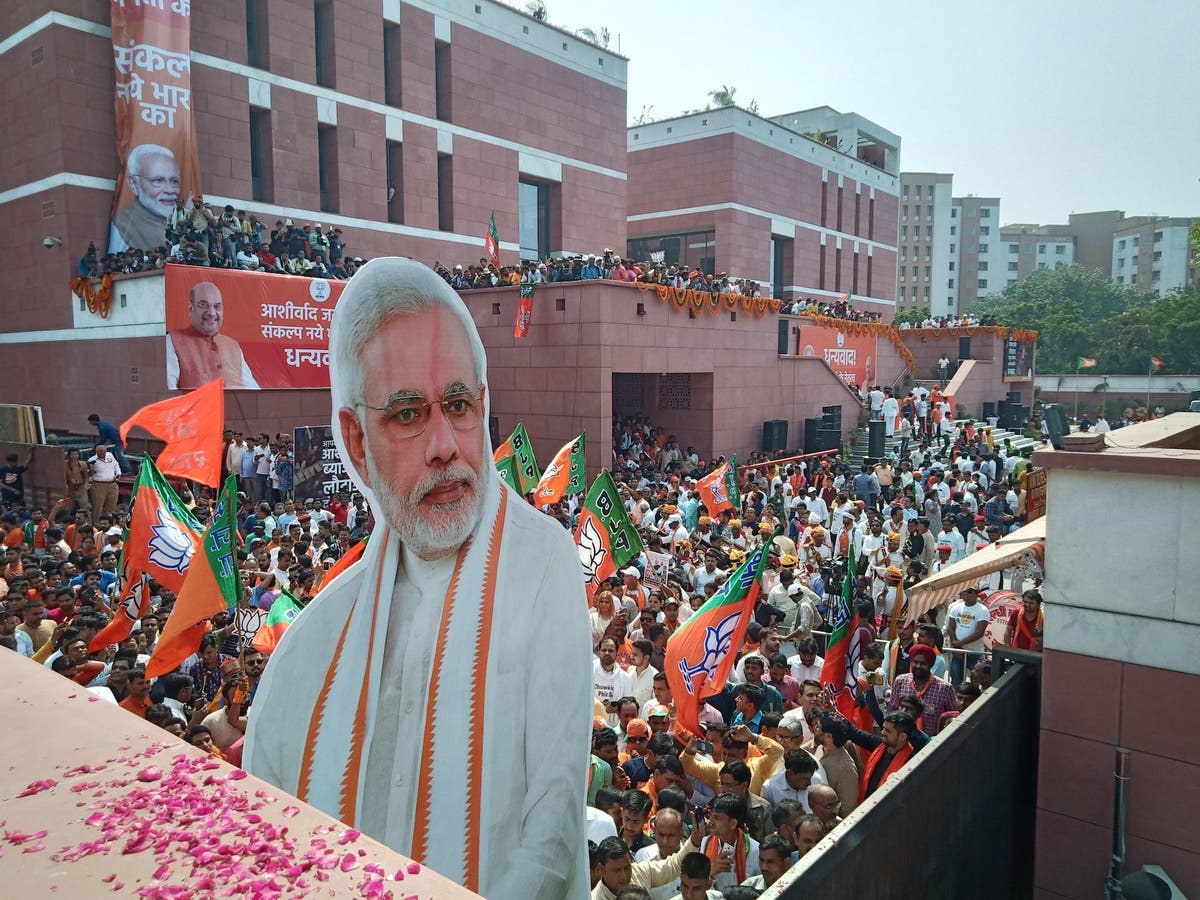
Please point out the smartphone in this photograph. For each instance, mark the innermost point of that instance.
(704, 747)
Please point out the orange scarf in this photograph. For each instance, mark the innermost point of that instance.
(712, 847)
(877, 759)
(1027, 632)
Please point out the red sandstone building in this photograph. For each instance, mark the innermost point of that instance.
(805, 203)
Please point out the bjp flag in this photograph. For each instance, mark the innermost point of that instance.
(701, 653)
(564, 476)
(838, 671)
(605, 537)
(719, 490)
(163, 535)
(191, 425)
(283, 612)
(134, 603)
(213, 584)
(519, 448)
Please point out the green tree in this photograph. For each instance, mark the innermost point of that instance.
(911, 317)
(1194, 240)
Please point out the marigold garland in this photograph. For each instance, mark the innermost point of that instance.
(702, 301)
(98, 299)
(860, 328)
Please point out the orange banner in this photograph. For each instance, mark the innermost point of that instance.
(250, 330)
(156, 136)
(853, 356)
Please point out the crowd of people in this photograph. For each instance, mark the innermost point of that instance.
(599, 266)
(671, 813)
(200, 234)
(841, 308)
(965, 320)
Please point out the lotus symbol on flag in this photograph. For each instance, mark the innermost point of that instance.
(591, 550)
(130, 603)
(717, 641)
(169, 546)
(718, 491)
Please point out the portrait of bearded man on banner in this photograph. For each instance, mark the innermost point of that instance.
(409, 699)
(152, 176)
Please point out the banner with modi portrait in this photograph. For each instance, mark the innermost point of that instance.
(156, 134)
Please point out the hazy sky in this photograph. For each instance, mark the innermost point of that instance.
(1055, 107)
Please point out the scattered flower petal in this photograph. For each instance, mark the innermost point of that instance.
(150, 773)
(349, 862)
(414, 868)
(290, 811)
(37, 787)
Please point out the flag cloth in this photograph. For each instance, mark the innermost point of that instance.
(1156, 363)
(837, 672)
(213, 585)
(134, 603)
(521, 451)
(163, 534)
(605, 537)
(524, 311)
(502, 452)
(283, 611)
(1087, 362)
(564, 476)
(491, 242)
(192, 425)
(701, 653)
(507, 468)
(719, 489)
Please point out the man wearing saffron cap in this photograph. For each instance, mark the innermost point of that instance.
(936, 696)
(398, 696)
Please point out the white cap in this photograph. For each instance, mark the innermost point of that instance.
(631, 570)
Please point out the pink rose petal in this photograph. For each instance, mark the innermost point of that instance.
(150, 773)
(349, 862)
(348, 836)
(290, 811)
(414, 868)
(37, 787)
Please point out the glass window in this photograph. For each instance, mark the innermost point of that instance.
(929, 232)
(983, 282)
(904, 213)
(1041, 249)
(533, 201)
(953, 230)
(1012, 267)
(951, 265)
(954, 212)
(1136, 237)
(696, 249)
(983, 266)
(903, 272)
(953, 248)
(950, 283)
(1157, 236)
(1060, 250)
(929, 210)
(985, 213)
(1121, 245)
(926, 293)
(904, 191)
(918, 192)
(985, 229)
(983, 248)
(1014, 248)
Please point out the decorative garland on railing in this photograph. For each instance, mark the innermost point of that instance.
(702, 301)
(1021, 334)
(98, 299)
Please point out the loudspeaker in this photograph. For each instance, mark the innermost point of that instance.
(989, 409)
(831, 417)
(829, 438)
(1056, 424)
(964, 348)
(876, 432)
(774, 435)
(811, 426)
(785, 335)
(1002, 412)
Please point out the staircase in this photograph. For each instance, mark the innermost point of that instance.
(892, 445)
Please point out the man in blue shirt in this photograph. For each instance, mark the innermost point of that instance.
(108, 434)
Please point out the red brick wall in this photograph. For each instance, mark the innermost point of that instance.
(1090, 706)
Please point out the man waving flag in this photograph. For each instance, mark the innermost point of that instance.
(837, 673)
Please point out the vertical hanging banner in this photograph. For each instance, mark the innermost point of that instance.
(156, 136)
(524, 311)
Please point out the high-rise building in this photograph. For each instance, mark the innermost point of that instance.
(925, 273)
(976, 250)
(1153, 254)
(1028, 248)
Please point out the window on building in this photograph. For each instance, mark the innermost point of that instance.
(929, 232)
(925, 294)
(929, 210)
(256, 33)
(985, 230)
(928, 272)
(1011, 282)
(983, 266)
(533, 201)
(1041, 265)
(1157, 236)
(1121, 245)
(953, 248)
(1014, 248)
(951, 265)
(954, 212)
(323, 29)
(1157, 255)
(904, 191)
(327, 167)
(950, 283)
(983, 248)
(903, 272)
(1136, 238)
(904, 232)
(441, 79)
(985, 213)
(928, 252)
(903, 294)
(391, 64)
(445, 192)
(904, 251)
(1012, 267)
(953, 230)
(982, 283)
(782, 260)
(1134, 261)
(918, 192)
(694, 249)
(262, 170)
(1060, 250)
(1041, 249)
(1120, 262)
(395, 182)
(904, 213)
(1155, 275)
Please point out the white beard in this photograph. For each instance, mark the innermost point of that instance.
(430, 532)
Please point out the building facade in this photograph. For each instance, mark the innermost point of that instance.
(976, 249)
(1153, 254)
(806, 208)
(926, 269)
(1028, 248)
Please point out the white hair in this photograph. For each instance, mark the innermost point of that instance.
(138, 155)
(380, 290)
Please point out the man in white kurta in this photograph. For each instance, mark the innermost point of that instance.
(408, 698)
(891, 414)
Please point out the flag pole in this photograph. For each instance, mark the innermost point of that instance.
(1079, 367)
(1149, 375)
